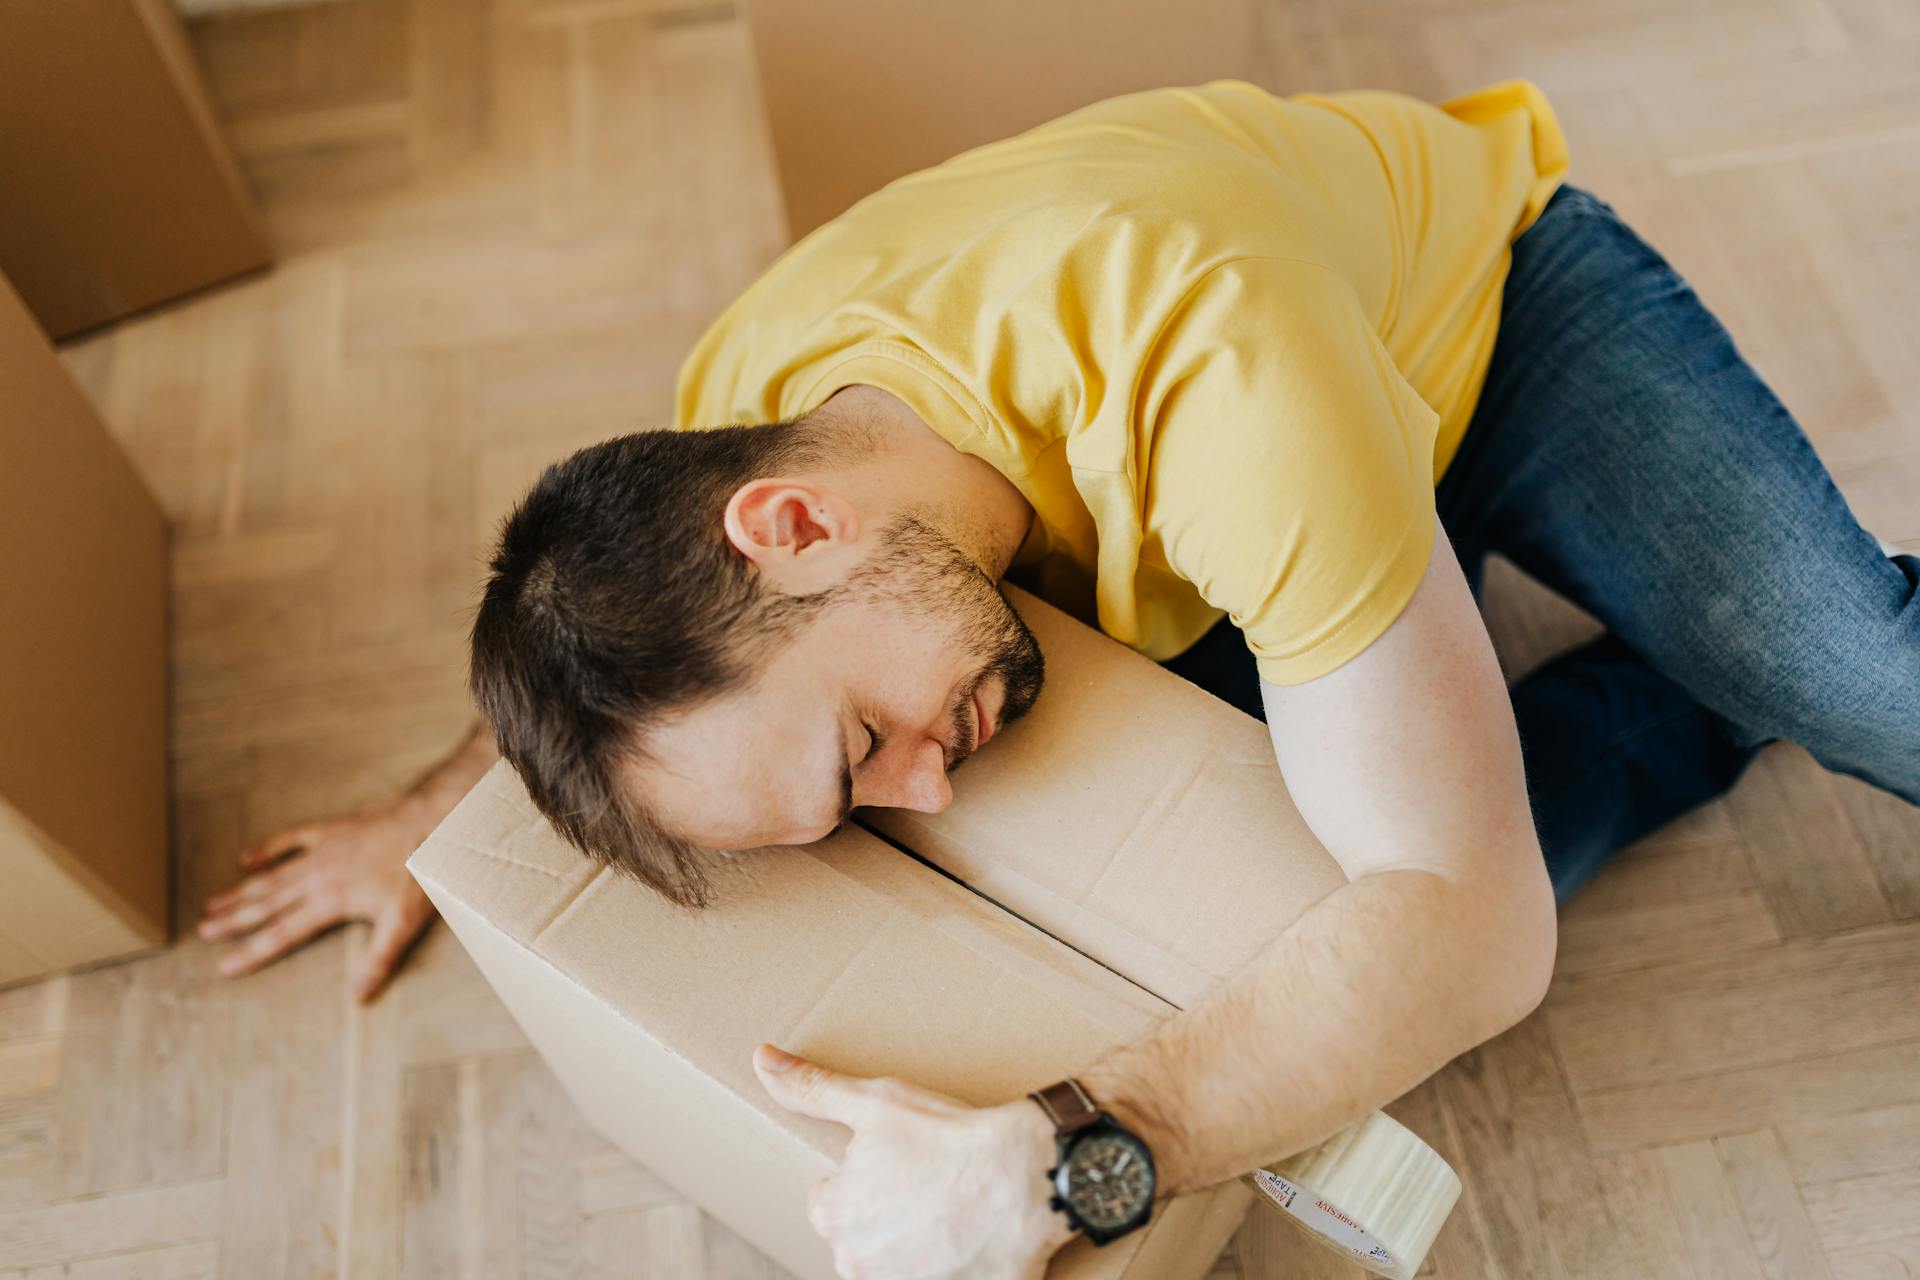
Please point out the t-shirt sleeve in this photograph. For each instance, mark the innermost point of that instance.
(1289, 470)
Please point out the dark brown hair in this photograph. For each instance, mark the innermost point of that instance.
(615, 598)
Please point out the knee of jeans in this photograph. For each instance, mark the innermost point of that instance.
(1846, 689)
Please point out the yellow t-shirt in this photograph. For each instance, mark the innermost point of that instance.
(1224, 343)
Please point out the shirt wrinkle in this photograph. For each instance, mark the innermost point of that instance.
(1192, 443)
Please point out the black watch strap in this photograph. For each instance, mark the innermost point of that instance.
(1067, 1105)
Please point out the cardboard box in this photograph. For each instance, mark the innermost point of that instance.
(848, 951)
(857, 94)
(83, 802)
(120, 192)
(1136, 820)
(1132, 815)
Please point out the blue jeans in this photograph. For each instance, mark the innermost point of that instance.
(1625, 455)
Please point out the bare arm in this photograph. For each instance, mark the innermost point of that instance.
(434, 793)
(1406, 764)
(305, 879)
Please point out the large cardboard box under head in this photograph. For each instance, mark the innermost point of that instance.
(1108, 858)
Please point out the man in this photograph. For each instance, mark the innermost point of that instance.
(1199, 364)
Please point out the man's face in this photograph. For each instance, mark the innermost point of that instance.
(874, 701)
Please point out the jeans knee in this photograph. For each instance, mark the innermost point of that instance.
(1850, 696)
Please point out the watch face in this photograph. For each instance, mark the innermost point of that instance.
(1107, 1179)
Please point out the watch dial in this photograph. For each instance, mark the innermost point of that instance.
(1106, 1179)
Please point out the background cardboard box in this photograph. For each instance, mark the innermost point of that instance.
(935, 78)
(119, 190)
(83, 804)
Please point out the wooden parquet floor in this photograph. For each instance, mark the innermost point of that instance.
(502, 224)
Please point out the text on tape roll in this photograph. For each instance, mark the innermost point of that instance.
(1322, 1218)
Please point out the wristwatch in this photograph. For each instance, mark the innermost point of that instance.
(1104, 1180)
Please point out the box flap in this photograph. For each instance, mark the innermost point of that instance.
(1130, 814)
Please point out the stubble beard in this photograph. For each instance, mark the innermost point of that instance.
(920, 570)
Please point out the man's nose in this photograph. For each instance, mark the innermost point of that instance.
(915, 779)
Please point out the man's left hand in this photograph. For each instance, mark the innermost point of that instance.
(929, 1187)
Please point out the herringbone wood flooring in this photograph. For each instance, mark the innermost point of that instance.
(502, 224)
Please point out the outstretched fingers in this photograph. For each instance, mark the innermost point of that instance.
(400, 923)
(273, 940)
(241, 912)
(278, 845)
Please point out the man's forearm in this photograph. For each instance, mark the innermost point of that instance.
(440, 788)
(1368, 993)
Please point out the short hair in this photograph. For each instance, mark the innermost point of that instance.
(615, 598)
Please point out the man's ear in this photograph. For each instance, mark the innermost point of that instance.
(800, 534)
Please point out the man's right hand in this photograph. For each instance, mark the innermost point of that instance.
(308, 878)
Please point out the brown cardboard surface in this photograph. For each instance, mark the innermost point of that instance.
(847, 951)
(83, 806)
(857, 94)
(55, 912)
(120, 192)
(1130, 814)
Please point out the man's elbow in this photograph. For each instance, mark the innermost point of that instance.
(1522, 996)
(1529, 926)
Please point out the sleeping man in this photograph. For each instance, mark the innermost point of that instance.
(1255, 384)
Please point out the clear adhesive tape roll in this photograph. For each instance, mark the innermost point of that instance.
(1373, 1192)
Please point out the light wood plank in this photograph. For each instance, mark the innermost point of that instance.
(1812, 1090)
(438, 1183)
(1845, 1146)
(1871, 1209)
(199, 1261)
(29, 1066)
(33, 1010)
(144, 1075)
(1541, 1196)
(375, 1154)
(76, 1230)
(284, 1199)
(1889, 831)
(1724, 1013)
(1783, 1239)
(1806, 854)
(1640, 1203)
(1709, 1217)
(1597, 941)
(1889, 1260)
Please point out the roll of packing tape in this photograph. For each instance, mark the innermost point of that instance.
(1373, 1192)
